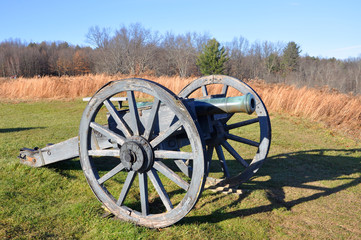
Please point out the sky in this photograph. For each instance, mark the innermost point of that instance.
(321, 28)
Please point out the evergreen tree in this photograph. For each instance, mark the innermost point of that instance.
(212, 59)
(290, 58)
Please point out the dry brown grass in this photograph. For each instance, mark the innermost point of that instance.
(340, 111)
(337, 110)
(66, 87)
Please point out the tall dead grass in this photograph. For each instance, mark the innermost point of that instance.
(66, 87)
(337, 110)
(341, 111)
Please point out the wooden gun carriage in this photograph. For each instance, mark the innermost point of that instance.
(146, 152)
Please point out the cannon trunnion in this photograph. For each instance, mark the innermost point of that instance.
(148, 158)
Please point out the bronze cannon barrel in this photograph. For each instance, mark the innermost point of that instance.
(245, 103)
(209, 106)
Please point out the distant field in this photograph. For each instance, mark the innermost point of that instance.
(310, 187)
(338, 111)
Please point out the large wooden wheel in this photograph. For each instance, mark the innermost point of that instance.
(138, 149)
(241, 142)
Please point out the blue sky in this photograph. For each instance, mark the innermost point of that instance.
(321, 28)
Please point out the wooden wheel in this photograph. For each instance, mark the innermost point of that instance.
(140, 136)
(241, 142)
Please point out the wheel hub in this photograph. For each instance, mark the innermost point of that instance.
(136, 154)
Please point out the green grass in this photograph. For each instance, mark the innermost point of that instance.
(310, 187)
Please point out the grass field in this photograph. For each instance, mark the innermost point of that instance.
(309, 188)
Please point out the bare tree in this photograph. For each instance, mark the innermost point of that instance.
(97, 37)
(182, 51)
(237, 50)
(104, 58)
(134, 48)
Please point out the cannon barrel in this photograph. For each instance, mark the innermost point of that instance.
(245, 103)
(219, 105)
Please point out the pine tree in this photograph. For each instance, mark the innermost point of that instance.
(212, 59)
(291, 55)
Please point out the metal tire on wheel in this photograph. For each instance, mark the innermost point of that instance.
(161, 196)
(222, 141)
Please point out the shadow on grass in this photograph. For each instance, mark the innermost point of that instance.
(9, 130)
(297, 170)
(101, 164)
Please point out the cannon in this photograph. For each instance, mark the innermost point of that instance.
(147, 153)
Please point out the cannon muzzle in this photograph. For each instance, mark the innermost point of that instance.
(245, 103)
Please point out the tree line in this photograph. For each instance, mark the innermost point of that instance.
(137, 50)
(29, 60)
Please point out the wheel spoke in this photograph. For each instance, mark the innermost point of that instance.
(224, 90)
(166, 171)
(107, 132)
(165, 154)
(104, 152)
(242, 140)
(152, 118)
(111, 173)
(94, 139)
(153, 175)
(241, 124)
(209, 154)
(143, 187)
(185, 168)
(233, 152)
(127, 184)
(204, 90)
(222, 160)
(133, 112)
(121, 124)
(163, 135)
